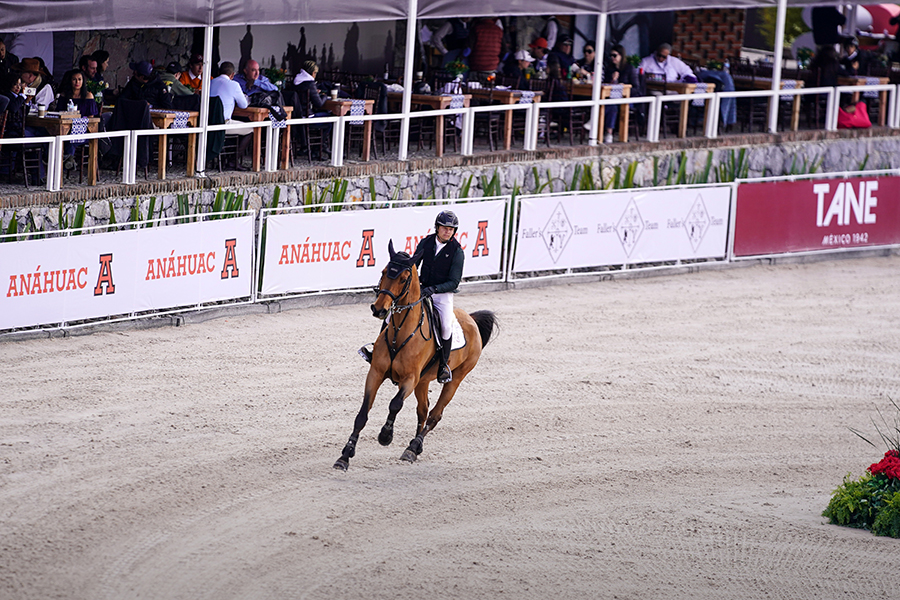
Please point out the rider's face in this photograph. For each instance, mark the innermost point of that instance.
(444, 233)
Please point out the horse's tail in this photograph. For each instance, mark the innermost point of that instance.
(486, 321)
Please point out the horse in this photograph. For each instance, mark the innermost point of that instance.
(405, 353)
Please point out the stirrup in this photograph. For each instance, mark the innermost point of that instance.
(365, 353)
(445, 375)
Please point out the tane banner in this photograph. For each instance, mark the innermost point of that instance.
(308, 252)
(816, 214)
(71, 278)
(627, 227)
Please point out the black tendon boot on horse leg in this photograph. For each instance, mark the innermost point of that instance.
(445, 375)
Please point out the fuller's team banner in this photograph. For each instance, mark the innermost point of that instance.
(79, 277)
(341, 250)
(816, 214)
(627, 227)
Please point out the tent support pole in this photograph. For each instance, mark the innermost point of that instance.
(776, 65)
(408, 64)
(204, 100)
(599, 52)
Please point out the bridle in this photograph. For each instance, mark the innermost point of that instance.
(396, 308)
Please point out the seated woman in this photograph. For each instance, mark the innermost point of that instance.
(305, 82)
(72, 88)
(618, 71)
(586, 62)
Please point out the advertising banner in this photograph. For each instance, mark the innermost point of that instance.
(342, 250)
(627, 227)
(816, 214)
(72, 278)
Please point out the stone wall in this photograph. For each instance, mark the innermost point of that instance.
(400, 181)
(159, 46)
(714, 34)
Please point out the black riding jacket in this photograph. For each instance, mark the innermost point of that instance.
(442, 272)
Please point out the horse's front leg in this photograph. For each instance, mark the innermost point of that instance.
(373, 382)
(387, 431)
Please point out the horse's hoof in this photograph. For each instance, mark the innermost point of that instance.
(386, 437)
(342, 464)
(408, 456)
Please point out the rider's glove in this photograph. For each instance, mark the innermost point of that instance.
(427, 292)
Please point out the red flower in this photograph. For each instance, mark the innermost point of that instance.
(889, 465)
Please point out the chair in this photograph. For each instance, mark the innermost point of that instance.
(311, 137)
(389, 130)
(131, 115)
(25, 157)
(487, 124)
(577, 118)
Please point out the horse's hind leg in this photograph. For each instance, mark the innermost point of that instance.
(372, 383)
(415, 446)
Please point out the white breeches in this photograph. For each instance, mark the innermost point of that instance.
(443, 304)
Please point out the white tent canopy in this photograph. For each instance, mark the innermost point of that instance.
(64, 15)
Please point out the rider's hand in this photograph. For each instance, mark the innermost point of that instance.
(427, 292)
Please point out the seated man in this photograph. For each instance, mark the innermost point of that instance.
(88, 66)
(193, 77)
(146, 85)
(171, 78)
(523, 61)
(663, 67)
(563, 52)
(36, 78)
(856, 62)
(229, 92)
(539, 50)
(251, 81)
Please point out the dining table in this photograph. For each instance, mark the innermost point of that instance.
(434, 102)
(60, 123)
(683, 88)
(342, 106)
(862, 80)
(503, 96)
(259, 113)
(747, 82)
(172, 119)
(581, 89)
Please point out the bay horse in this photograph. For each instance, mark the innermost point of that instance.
(404, 352)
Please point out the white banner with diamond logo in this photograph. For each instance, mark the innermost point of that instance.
(594, 229)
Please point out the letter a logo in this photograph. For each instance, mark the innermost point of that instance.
(105, 277)
(367, 250)
(481, 246)
(230, 260)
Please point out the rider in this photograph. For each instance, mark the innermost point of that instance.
(441, 258)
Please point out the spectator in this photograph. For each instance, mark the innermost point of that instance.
(35, 77)
(88, 66)
(665, 67)
(146, 85)
(251, 81)
(229, 92)
(11, 88)
(450, 39)
(171, 78)
(102, 58)
(485, 41)
(563, 53)
(72, 88)
(856, 62)
(523, 61)
(825, 66)
(306, 81)
(539, 50)
(586, 62)
(618, 71)
(7, 61)
(550, 32)
(193, 77)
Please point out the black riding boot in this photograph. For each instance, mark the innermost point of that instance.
(445, 375)
(365, 352)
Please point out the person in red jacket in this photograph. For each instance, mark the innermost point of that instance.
(485, 41)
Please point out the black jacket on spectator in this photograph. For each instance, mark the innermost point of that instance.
(155, 91)
(627, 75)
(864, 58)
(315, 99)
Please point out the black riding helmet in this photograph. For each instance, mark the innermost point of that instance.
(447, 219)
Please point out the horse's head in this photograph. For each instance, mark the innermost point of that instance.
(395, 283)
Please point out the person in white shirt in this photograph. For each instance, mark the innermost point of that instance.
(229, 92)
(665, 67)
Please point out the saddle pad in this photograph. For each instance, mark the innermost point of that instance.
(459, 338)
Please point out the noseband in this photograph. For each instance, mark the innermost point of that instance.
(394, 270)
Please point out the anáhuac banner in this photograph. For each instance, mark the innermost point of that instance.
(308, 252)
(66, 279)
(816, 215)
(626, 227)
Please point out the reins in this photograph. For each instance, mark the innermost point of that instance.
(396, 309)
